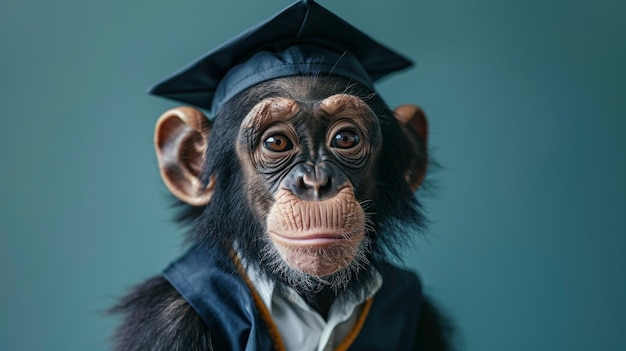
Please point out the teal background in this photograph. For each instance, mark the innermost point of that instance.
(526, 107)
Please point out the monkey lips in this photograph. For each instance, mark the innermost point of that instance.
(318, 238)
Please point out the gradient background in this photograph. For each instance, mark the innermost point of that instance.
(526, 107)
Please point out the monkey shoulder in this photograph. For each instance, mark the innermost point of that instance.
(435, 331)
(156, 317)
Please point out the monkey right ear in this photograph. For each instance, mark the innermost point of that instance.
(181, 138)
(414, 122)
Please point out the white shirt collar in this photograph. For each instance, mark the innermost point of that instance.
(302, 327)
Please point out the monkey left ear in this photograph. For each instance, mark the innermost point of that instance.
(415, 125)
(181, 137)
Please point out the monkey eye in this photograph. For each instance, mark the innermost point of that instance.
(278, 143)
(345, 139)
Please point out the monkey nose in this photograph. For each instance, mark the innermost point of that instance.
(315, 179)
(312, 182)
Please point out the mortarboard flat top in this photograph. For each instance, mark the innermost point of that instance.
(305, 37)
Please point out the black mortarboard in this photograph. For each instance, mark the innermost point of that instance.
(303, 38)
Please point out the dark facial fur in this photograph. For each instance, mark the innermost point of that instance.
(392, 209)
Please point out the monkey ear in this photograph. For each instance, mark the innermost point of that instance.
(180, 138)
(415, 125)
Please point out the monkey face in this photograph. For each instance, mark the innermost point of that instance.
(304, 164)
(299, 174)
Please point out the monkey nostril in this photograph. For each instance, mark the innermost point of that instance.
(301, 183)
(325, 185)
(314, 182)
(309, 187)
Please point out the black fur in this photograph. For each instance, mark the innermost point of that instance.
(396, 210)
(434, 330)
(157, 318)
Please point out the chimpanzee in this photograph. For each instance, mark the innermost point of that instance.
(298, 192)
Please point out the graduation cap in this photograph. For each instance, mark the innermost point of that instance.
(303, 38)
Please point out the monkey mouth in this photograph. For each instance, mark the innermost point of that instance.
(317, 239)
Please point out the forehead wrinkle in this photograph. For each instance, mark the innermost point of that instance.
(336, 105)
(269, 110)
